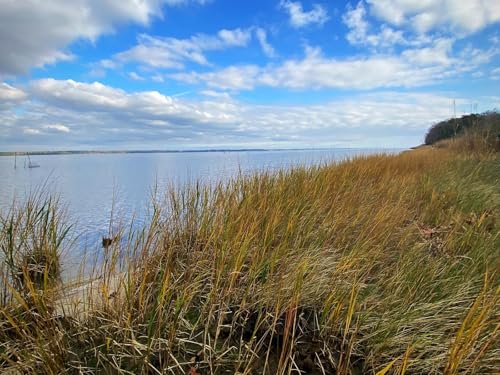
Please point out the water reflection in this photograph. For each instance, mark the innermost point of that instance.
(95, 185)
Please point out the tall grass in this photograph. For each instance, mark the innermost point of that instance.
(380, 264)
(31, 243)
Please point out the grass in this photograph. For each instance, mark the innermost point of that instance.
(379, 265)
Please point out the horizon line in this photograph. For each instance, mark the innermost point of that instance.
(159, 151)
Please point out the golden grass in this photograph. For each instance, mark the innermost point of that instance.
(379, 265)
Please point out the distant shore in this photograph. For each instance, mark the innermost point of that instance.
(85, 152)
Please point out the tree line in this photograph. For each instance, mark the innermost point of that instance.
(487, 124)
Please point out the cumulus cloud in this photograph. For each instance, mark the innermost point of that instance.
(359, 33)
(437, 54)
(78, 94)
(70, 114)
(354, 18)
(426, 15)
(301, 18)
(98, 98)
(160, 52)
(411, 68)
(34, 33)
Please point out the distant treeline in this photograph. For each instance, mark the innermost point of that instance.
(486, 124)
(89, 152)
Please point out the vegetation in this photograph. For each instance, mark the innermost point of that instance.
(485, 126)
(379, 265)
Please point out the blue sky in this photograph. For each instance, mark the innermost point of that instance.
(182, 74)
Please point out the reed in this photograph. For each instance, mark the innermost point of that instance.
(380, 264)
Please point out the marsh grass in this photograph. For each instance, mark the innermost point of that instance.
(31, 244)
(379, 264)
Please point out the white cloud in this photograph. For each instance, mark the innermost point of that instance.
(495, 74)
(57, 127)
(426, 15)
(31, 131)
(265, 45)
(437, 54)
(99, 98)
(69, 114)
(78, 93)
(108, 64)
(136, 77)
(158, 78)
(10, 95)
(228, 38)
(158, 52)
(300, 18)
(413, 67)
(216, 94)
(36, 33)
(243, 77)
(355, 19)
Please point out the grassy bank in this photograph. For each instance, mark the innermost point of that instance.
(378, 265)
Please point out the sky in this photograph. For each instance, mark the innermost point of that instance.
(205, 74)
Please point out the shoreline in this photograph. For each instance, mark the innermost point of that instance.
(97, 152)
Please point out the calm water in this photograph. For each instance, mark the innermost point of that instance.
(92, 185)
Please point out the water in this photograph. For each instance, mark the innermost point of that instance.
(93, 185)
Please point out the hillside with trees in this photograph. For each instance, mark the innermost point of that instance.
(486, 125)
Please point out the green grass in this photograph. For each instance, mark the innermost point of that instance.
(379, 265)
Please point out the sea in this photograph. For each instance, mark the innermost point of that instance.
(100, 191)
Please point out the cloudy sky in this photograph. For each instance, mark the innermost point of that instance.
(186, 74)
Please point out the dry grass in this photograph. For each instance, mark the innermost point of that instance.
(381, 264)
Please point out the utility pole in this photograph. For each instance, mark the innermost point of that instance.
(455, 116)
